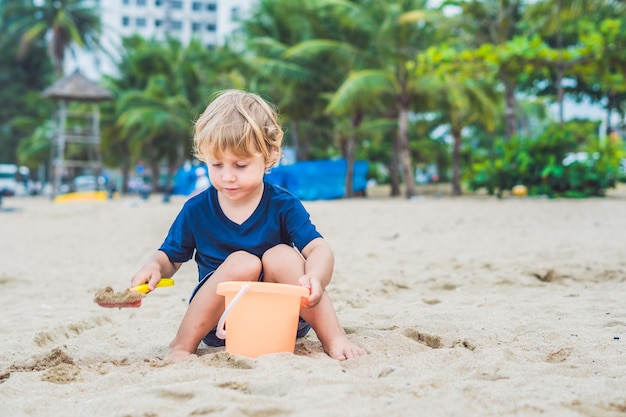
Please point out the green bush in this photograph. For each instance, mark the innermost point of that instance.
(566, 160)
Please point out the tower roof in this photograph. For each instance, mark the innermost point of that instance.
(78, 88)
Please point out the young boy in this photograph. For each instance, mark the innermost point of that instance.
(245, 229)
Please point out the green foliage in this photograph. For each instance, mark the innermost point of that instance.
(166, 84)
(23, 108)
(385, 78)
(61, 23)
(564, 161)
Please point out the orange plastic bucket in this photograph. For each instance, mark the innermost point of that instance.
(263, 317)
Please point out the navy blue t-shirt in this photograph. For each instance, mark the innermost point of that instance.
(202, 226)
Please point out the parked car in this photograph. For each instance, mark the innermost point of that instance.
(85, 183)
(88, 182)
(8, 180)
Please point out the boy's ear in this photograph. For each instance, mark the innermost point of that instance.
(274, 159)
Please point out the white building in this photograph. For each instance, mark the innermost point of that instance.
(210, 21)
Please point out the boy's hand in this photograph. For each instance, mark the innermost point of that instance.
(157, 266)
(315, 290)
(146, 275)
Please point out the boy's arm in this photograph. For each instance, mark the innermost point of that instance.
(318, 269)
(156, 267)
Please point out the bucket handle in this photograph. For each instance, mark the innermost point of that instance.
(221, 325)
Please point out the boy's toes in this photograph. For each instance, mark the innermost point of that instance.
(345, 350)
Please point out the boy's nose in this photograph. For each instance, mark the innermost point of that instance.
(228, 176)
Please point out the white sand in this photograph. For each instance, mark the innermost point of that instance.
(444, 293)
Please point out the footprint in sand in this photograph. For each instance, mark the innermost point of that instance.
(436, 342)
(175, 395)
(235, 386)
(69, 331)
(62, 373)
(464, 343)
(424, 338)
(559, 355)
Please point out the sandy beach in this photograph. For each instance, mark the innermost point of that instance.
(471, 306)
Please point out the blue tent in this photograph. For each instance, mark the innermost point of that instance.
(318, 180)
(185, 179)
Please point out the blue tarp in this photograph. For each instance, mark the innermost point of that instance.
(185, 179)
(318, 180)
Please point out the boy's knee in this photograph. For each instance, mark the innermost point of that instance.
(278, 252)
(243, 265)
(281, 261)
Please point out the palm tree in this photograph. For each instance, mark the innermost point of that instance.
(606, 83)
(493, 22)
(295, 81)
(62, 22)
(398, 31)
(161, 88)
(559, 22)
(21, 83)
(156, 123)
(366, 46)
(150, 117)
(358, 95)
(462, 100)
(464, 94)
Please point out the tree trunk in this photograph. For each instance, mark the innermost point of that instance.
(126, 166)
(155, 167)
(348, 153)
(295, 135)
(181, 154)
(305, 142)
(559, 93)
(559, 68)
(456, 162)
(125, 173)
(393, 169)
(610, 106)
(153, 163)
(510, 104)
(172, 167)
(404, 153)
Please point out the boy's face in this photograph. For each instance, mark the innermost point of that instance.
(237, 177)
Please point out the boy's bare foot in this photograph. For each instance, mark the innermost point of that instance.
(341, 348)
(177, 355)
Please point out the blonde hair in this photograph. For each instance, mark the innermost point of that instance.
(240, 122)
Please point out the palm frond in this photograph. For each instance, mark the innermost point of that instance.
(313, 48)
(360, 90)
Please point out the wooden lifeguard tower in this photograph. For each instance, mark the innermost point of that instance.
(76, 134)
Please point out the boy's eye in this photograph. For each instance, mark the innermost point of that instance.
(216, 164)
(241, 165)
